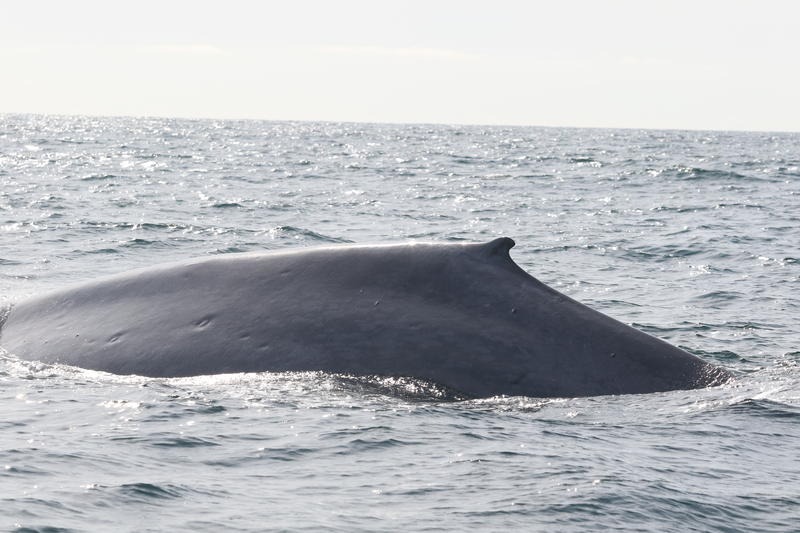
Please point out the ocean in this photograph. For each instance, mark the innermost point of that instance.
(692, 236)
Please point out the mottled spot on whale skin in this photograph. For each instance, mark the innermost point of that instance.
(203, 322)
(519, 377)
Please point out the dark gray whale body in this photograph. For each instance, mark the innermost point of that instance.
(461, 315)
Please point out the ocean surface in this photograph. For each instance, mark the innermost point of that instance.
(691, 236)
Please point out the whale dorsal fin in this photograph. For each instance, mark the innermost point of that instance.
(498, 247)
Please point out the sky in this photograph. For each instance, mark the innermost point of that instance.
(672, 64)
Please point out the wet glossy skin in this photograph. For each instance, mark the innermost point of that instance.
(462, 315)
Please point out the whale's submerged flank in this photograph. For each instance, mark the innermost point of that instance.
(461, 315)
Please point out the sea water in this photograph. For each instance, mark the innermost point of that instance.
(691, 236)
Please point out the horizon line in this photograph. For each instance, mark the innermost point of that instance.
(387, 122)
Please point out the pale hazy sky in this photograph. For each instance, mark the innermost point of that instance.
(697, 64)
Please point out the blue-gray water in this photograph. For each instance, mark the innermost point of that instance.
(691, 236)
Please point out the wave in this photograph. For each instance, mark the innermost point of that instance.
(304, 234)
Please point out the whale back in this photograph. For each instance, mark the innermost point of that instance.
(461, 315)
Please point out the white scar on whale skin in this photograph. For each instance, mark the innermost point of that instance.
(461, 315)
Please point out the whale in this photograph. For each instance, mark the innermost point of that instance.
(461, 315)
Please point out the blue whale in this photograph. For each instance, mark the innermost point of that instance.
(464, 316)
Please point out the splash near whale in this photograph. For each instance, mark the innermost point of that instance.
(461, 315)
